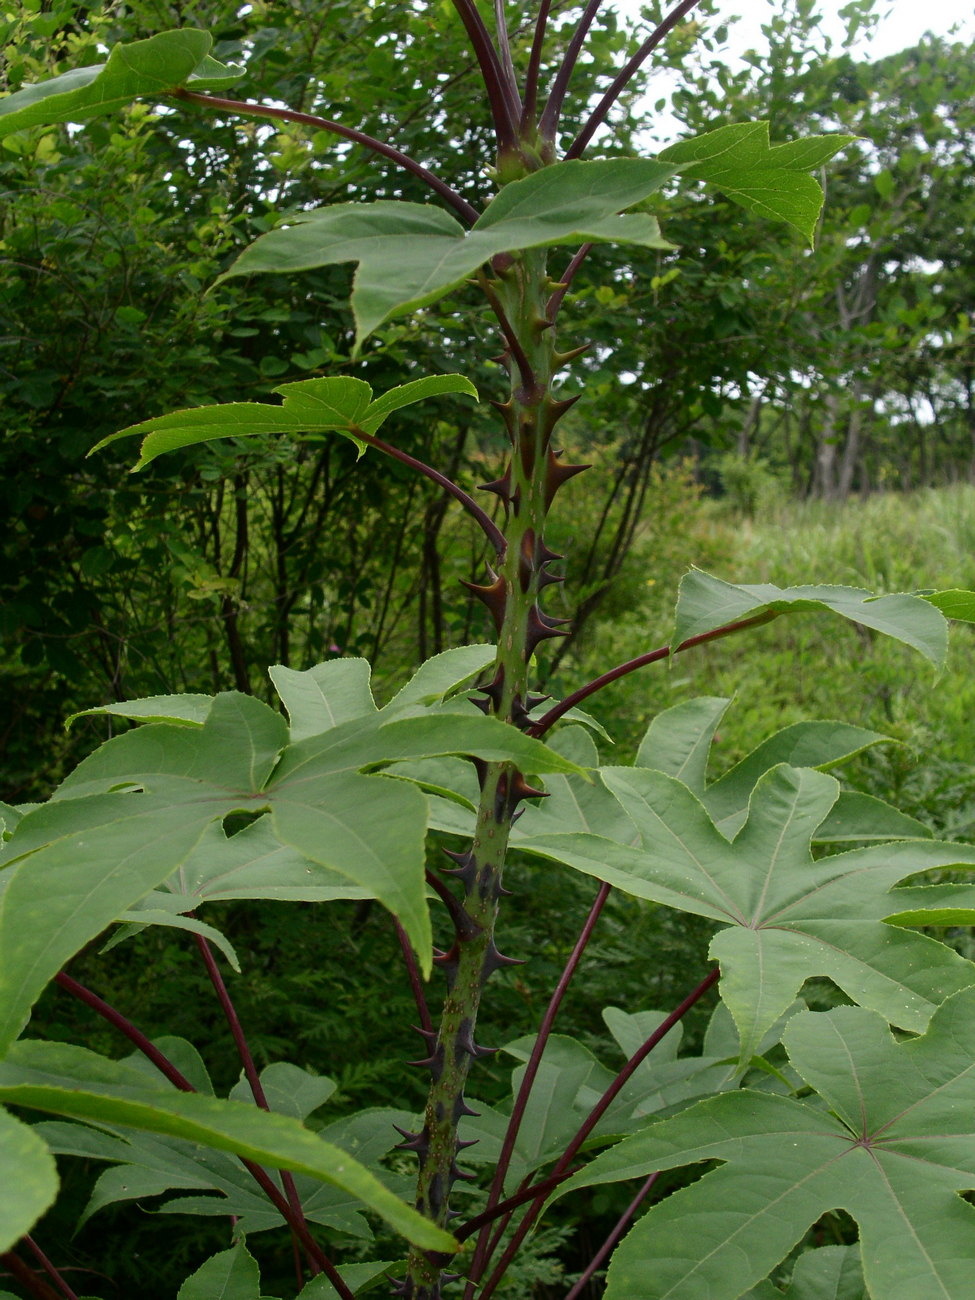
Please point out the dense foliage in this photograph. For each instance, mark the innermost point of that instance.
(311, 531)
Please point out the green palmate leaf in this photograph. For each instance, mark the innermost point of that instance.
(339, 404)
(954, 604)
(150, 68)
(30, 1179)
(678, 742)
(71, 1081)
(770, 180)
(410, 255)
(79, 862)
(705, 603)
(895, 1149)
(231, 1275)
(336, 691)
(788, 918)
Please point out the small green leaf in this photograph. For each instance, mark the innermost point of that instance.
(152, 68)
(705, 603)
(442, 675)
(231, 1275)
(406, 394)
(357, 1277)
(191, 709)
(289, 1089)
(955, 604)
(410, 254)
(770, 180)
(30, 1179)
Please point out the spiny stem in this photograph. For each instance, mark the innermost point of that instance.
(598, 115)
(548, 719)
(534, 62)
(593, 1118)
(490, 529)
(613, 1237)
(165, 1066)
(460, 205)
(552, 111)
(531, 1069)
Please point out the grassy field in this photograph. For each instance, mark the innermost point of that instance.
(809, 666)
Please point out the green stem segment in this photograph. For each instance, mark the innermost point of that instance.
(519, 296)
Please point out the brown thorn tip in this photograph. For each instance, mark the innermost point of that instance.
(493, 594)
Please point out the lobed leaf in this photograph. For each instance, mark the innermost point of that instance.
(769, 180)
(787, 917)
(705, 603)
(151, 68)
(410, 254)
(134, 812)
(893, 1108)
(339, 404)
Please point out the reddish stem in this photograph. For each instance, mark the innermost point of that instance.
(250, 1071)
(595, 1115)
(540, 727)
(598, 115)
(460, 205)
(555, 302)
(490, 529)
(534, 62)
(26, 1276)
(49, 1268)
(553, 109)
(531, 1070)
(179, 1080)
(502, 92)
(613, 1237)
(416, 980)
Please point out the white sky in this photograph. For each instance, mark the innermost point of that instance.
(902, 22)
